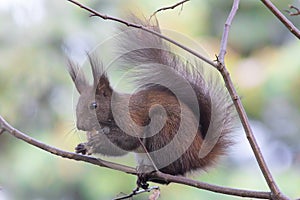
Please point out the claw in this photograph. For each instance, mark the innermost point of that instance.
(142, 181)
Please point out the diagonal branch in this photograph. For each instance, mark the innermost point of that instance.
(65, 154)
(239, 107)
(148, 155)
(293, 29)
(249, 133)
(129, 170)
(106, 17)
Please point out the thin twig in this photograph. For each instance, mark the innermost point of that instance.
(169, 7)
(2, 130)
(228, 22)
(148, 155)
(136, 192)
(293, 13)
(293, 29)
(129, 170)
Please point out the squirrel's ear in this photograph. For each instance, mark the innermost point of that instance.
(103, 86)
(97, 69)
(101, 82)
(77, 76)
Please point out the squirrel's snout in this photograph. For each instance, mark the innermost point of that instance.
(81, 126)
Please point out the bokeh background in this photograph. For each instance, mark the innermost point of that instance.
(36, 94)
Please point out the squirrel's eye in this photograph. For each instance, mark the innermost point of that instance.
(93, 106)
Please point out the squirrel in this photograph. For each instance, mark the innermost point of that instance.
(177, 121)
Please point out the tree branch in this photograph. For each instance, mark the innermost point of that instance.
(293, 29)
(106, 17)
(239, 107)
(129, 170)
(276, 194)
(169, 7)
(65, 154)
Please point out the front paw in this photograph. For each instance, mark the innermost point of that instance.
(82, 148)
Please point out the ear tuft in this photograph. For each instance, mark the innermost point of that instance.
(97, 68)
(101, 81)
(77, 76)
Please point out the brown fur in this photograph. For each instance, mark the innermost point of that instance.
(155, 108)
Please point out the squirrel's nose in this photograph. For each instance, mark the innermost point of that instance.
(81, 126)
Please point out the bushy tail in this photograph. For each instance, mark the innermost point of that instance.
(152, 63)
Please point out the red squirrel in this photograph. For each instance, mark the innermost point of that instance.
(177, 121)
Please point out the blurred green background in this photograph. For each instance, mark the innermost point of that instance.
(36, 94)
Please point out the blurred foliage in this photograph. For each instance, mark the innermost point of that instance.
(37, 95)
